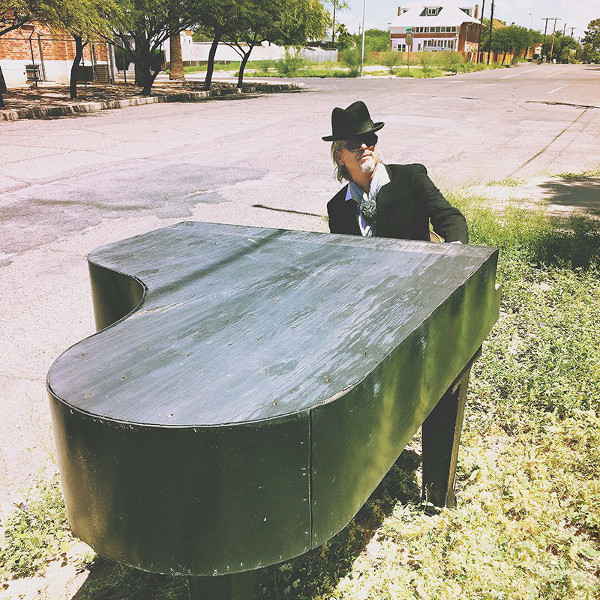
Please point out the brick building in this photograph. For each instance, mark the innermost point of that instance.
(437, 25)
(51, 53)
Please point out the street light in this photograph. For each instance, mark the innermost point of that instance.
(362, 56)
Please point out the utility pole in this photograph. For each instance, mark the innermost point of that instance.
(334, 2)
(479, 53)
(545, 32)
(572, 30)
(362, 54)
(555, 19)
(546, 19)
(491, 31)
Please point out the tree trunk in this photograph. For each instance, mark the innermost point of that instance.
(75, 66)
(3, 88)
(144, 76)
(210, 67)
(175, 58)
(147, 91)
(139, 77)
(242, 67)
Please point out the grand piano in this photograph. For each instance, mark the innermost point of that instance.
(249, 388)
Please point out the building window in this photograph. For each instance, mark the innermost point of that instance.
(433, 11)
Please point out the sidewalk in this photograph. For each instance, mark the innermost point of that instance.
(48, 101)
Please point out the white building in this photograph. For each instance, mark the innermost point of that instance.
(437, 25)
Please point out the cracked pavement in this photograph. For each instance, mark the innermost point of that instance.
(71, 184)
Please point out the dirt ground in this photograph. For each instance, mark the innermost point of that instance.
(58, 95)
(564, 195)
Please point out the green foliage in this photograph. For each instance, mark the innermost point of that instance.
(454, 62)
(284, 22)
(122, 59)
(15, 13)
(561, 48)
(508, 182)
(36, 533)
(376, 40)
(591, 42)
(343, 37)
(420, 73)
(290, 64)
(426, 59)
(351, 57)
(513, 39)
(391, 59)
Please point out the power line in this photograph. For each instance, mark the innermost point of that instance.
(555, 19)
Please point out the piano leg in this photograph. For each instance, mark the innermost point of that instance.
(240, 586)
(441, 437)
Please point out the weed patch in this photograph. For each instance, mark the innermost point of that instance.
(36, 533)
(508, 182)
(576, 176)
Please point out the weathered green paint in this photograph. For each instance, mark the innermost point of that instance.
(249, 388)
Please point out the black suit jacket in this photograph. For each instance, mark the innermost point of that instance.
(405, 206)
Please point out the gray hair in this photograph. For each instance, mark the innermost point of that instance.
(339, 169)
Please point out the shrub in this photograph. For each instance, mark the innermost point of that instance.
(426, 59)
(290, 64)
(453, 62)
(352, 59)
(391, 59)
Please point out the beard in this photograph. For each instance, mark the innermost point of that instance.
(368, 165)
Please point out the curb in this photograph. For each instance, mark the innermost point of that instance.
(91, 107)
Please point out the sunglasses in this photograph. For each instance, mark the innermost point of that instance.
(355, 143)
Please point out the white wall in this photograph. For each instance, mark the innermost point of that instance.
(57, 71)
(198, 51)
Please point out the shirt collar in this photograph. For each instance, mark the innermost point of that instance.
(379, 179)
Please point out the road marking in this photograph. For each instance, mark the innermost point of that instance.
(556, 89)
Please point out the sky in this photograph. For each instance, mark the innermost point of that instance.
(528, 13)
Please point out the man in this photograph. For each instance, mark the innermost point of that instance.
(397, 201)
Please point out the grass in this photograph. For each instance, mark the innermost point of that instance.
(585, 174)
(435, 64)
(306, 72)
(528, 521)
(36, 533)
(508, 182)
(418, 73)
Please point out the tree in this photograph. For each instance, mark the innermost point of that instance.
(283, 22)
(591, 43)
(514, 39)
(336, 6)
(376, 40)
(140, 27)
(15, 13)
(344, 37)
(560, 47)
(84, 20)
(214, 19)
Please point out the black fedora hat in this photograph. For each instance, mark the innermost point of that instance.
(351, 122)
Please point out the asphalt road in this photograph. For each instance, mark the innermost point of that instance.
(71, 184)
